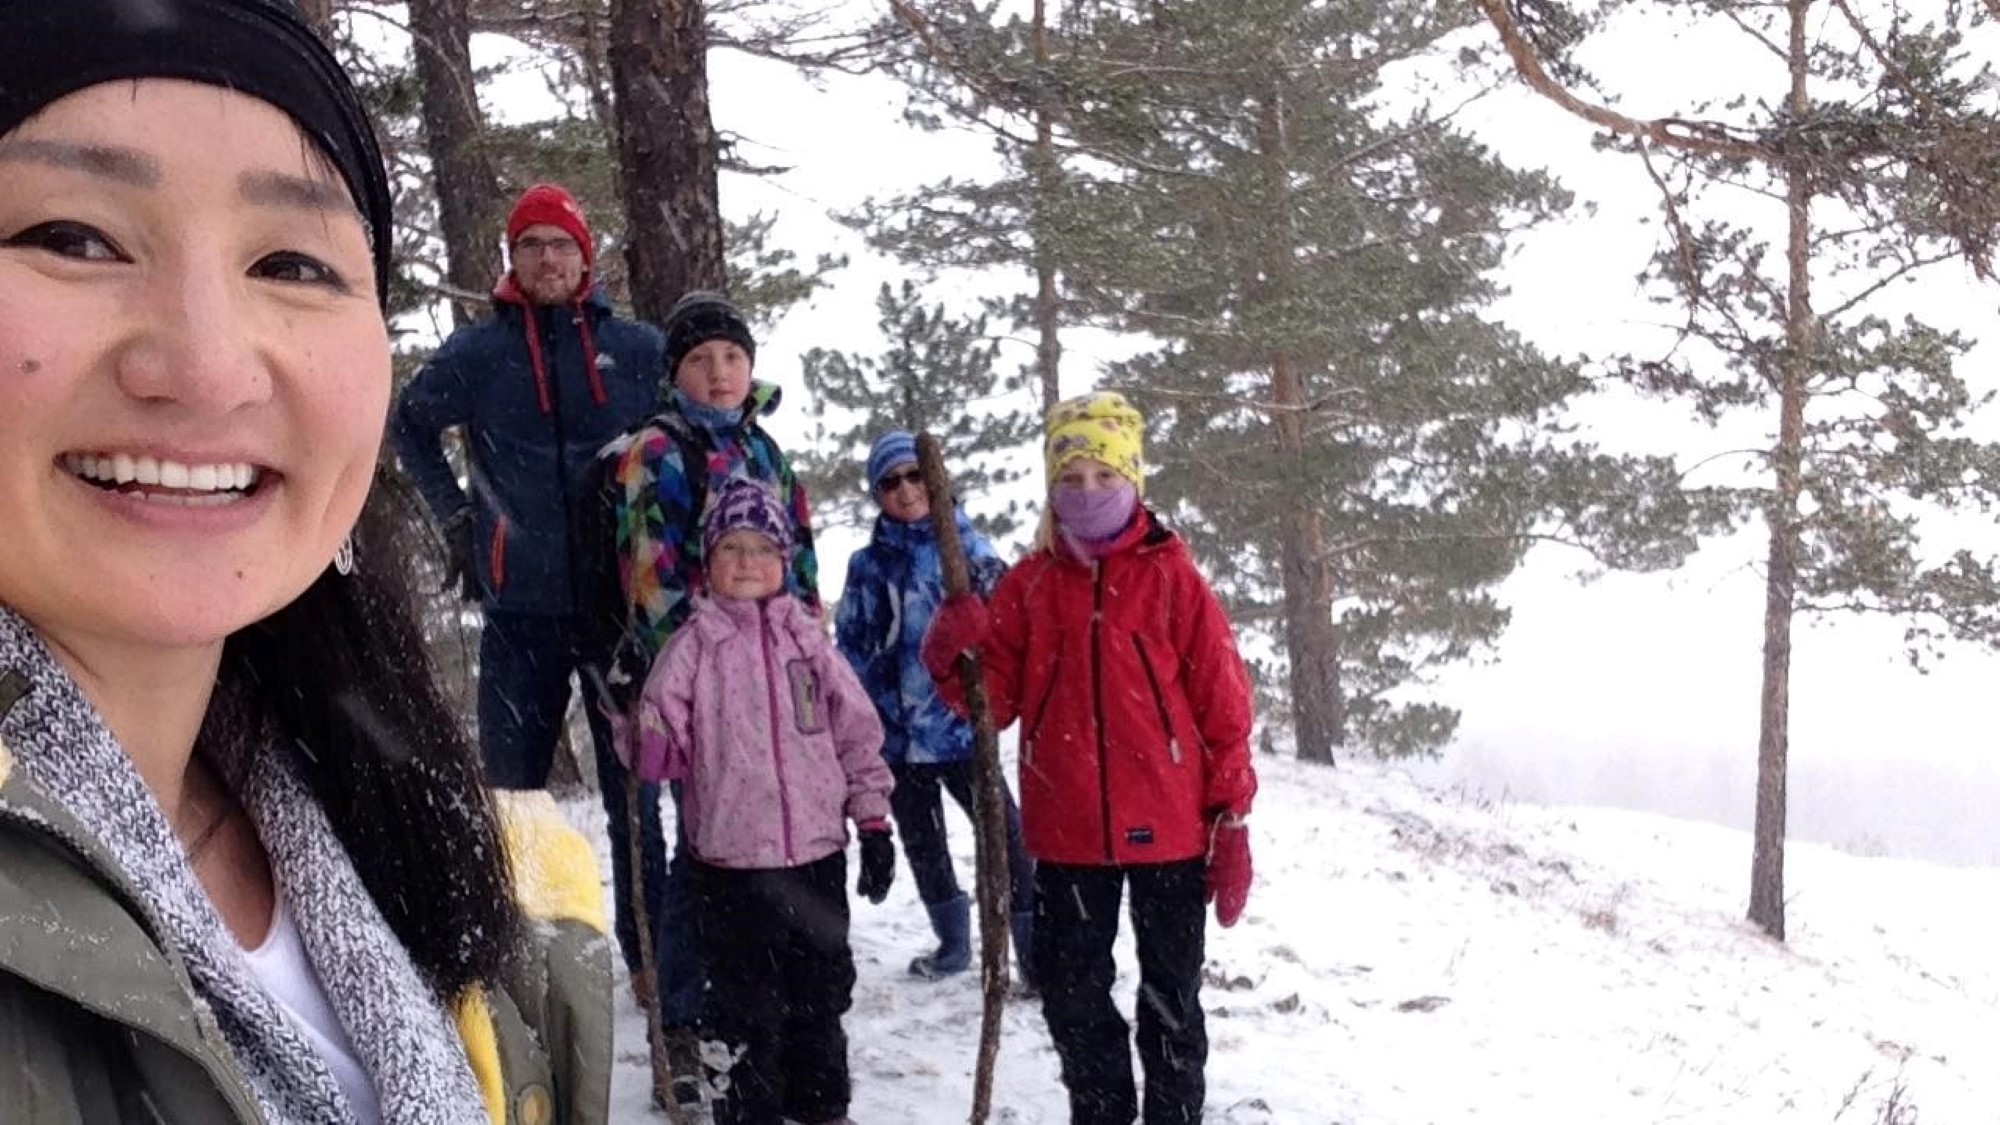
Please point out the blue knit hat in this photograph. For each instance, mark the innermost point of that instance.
(894, 448)
(746, 505)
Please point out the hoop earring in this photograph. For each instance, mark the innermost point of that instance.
(343, 557)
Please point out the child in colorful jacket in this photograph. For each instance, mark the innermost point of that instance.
(664, 475)
(893, 586)
(1113, 651)
(778, 748)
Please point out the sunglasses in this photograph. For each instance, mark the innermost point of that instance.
(894, 481)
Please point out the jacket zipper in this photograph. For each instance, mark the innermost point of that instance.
(496, 554)
(1159, 699)
(1097, 698)
(777, 752)
(1034, 727)
(562, 456)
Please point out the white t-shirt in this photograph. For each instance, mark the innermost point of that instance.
(281, 965)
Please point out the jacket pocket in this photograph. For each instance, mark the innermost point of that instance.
(1159, 697)
(1033, 727)
(808, 700)
(496, 555)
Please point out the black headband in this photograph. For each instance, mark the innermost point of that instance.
(262, 48)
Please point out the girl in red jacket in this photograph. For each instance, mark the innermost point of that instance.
(1135, 761)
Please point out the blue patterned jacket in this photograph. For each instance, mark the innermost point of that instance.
(894, 585)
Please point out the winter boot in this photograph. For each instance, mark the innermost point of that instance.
(952, 920)
(1021, 927)
(683, 1049)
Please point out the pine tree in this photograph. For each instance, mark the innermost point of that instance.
(970, 66)
(939, 374)
(1864, 151)
(1359, 454)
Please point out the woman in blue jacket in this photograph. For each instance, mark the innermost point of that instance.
(894, 585)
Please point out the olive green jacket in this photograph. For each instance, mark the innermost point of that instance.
(100, 1025)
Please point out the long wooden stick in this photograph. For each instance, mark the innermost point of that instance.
(648, 990)
(990, 841)
(649, 965)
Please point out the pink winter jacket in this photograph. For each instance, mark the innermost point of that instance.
(778, 743)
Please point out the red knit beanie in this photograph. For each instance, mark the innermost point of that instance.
(547, 203)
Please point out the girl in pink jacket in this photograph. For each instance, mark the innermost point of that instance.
(778, 746)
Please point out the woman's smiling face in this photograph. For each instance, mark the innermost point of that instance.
(194, 372)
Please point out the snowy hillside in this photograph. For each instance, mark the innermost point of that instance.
(1413, 957)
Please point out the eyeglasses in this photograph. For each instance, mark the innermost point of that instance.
(749, 552)
(894, 481)
(554, 247)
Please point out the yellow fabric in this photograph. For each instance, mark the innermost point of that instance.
(555, 872)
(1102, 426)
(482, 1050)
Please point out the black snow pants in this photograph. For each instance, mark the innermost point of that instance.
(780, 976)
(1076, 921)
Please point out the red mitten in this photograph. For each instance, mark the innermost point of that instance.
(1229, 868)
(959, 625)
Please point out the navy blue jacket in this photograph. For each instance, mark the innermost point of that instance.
(530, 438)
(894, 586)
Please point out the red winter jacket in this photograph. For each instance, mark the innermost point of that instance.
(1135, 705)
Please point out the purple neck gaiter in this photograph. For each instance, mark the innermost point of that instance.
(1094, 515)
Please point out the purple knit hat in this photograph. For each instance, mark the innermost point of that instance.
(746, 505)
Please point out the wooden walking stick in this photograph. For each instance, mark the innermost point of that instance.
(649, 968)
(990, 881)
(648, 989)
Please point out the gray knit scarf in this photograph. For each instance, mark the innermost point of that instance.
(399, 1029)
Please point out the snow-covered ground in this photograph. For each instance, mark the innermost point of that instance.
(1413, 957)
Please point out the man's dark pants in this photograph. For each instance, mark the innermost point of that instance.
(525, 663)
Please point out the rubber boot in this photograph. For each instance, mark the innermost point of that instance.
(952, 921)
(1021, 927)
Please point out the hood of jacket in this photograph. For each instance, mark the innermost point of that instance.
(507, 296)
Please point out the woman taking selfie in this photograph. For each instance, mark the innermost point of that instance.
(247, 870)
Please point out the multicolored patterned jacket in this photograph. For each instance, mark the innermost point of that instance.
(894, 585)
(659, 538)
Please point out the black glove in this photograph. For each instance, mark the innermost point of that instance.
(878, 862)
(457, 532)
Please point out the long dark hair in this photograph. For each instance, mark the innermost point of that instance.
(345, 674)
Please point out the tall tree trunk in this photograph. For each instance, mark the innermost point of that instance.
(1767, 859)
(1048, 310)
(593, 55)
(666, 151)
(468, 190)
(1312, 645)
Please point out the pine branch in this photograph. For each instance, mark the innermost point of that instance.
(1707, 138)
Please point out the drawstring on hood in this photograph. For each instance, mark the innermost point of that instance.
(509, 292)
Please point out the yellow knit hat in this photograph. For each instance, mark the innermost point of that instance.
(1102, 426)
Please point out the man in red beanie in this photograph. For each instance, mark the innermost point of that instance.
(537, 389)
(549, 243)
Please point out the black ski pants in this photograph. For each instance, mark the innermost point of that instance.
(1076, 921)
(780, 976)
